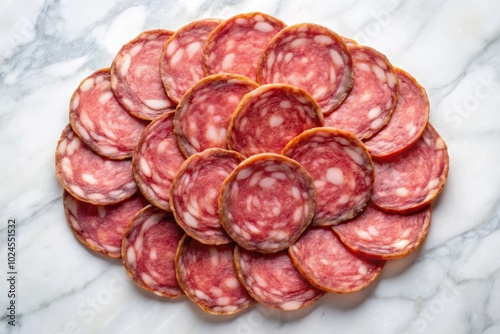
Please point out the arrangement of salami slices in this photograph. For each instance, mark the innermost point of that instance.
(245, 160)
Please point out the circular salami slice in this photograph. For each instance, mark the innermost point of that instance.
(90, 177)
(204, 113)
(412, 179)
(100, 121)
(311, 57)
(101, 227)
(407, 122)
(269, 117)
(266, 202)
(135, 76)
(369, 104)
(328, 265)
(148, 251)
(157, 160)
(341, 168)
(271, 279)
(236, 45)
(195, 192)
(207, 276)
(181, 61)
(379, 235)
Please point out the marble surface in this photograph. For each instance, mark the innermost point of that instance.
(450, 285)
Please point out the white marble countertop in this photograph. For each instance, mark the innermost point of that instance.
(450, 285)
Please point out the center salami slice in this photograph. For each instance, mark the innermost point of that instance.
(100, 121)
(407, 122)
(371, 101)
(157, 160)
(207, 275)
(328, 265)
(135, 76)
(148, 251)
(236, 45)
(266, 202)
(269, 117)
(341, 168)
(195, 192)
(380, 235)
(101, 227)
(311, 57)
(271, 279)
(203, 115)
(90, 177)
(412, 179)
(181, 62)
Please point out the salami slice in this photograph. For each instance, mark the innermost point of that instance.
(341, 168)
(271, 279)
(207, 275)
(236, 45)
(379, 235)
(157, 160)
(412, 179)
(371, 101)
(407, 122)
(204, 113)
(101, 227)
(135, 76)
(100, 121)
(148, 251)
(328, 265)
(311, 57)
(195, 192)
(181, 60)
(266, 202)
(269, 117)
(90, 177)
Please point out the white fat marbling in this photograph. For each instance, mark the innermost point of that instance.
(450, 285)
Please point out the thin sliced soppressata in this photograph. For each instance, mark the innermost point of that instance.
(328, 265)
(100, 121)
(90, 177)
(269, 117)
(267, 202)
(341, 168)
(157, 160)
(271, 279)
(412, 179)
(148, 251)
(195, 191)
(380, 235)
(101, 227)
(311, 57)
(207, 275)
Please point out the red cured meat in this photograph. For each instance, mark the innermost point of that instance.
(311, 57)
(195, 193)
(236, 45)
(272, 279)
(412, 179)
(269, 117)
(149, 249)
(385, 236)
(101, 227)
(329, 265)
(100, 121)
(370, 103)
(341, 168)
(181, 60)
(207, 275)
(90, 177)
(407, 122)
(157, 160)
